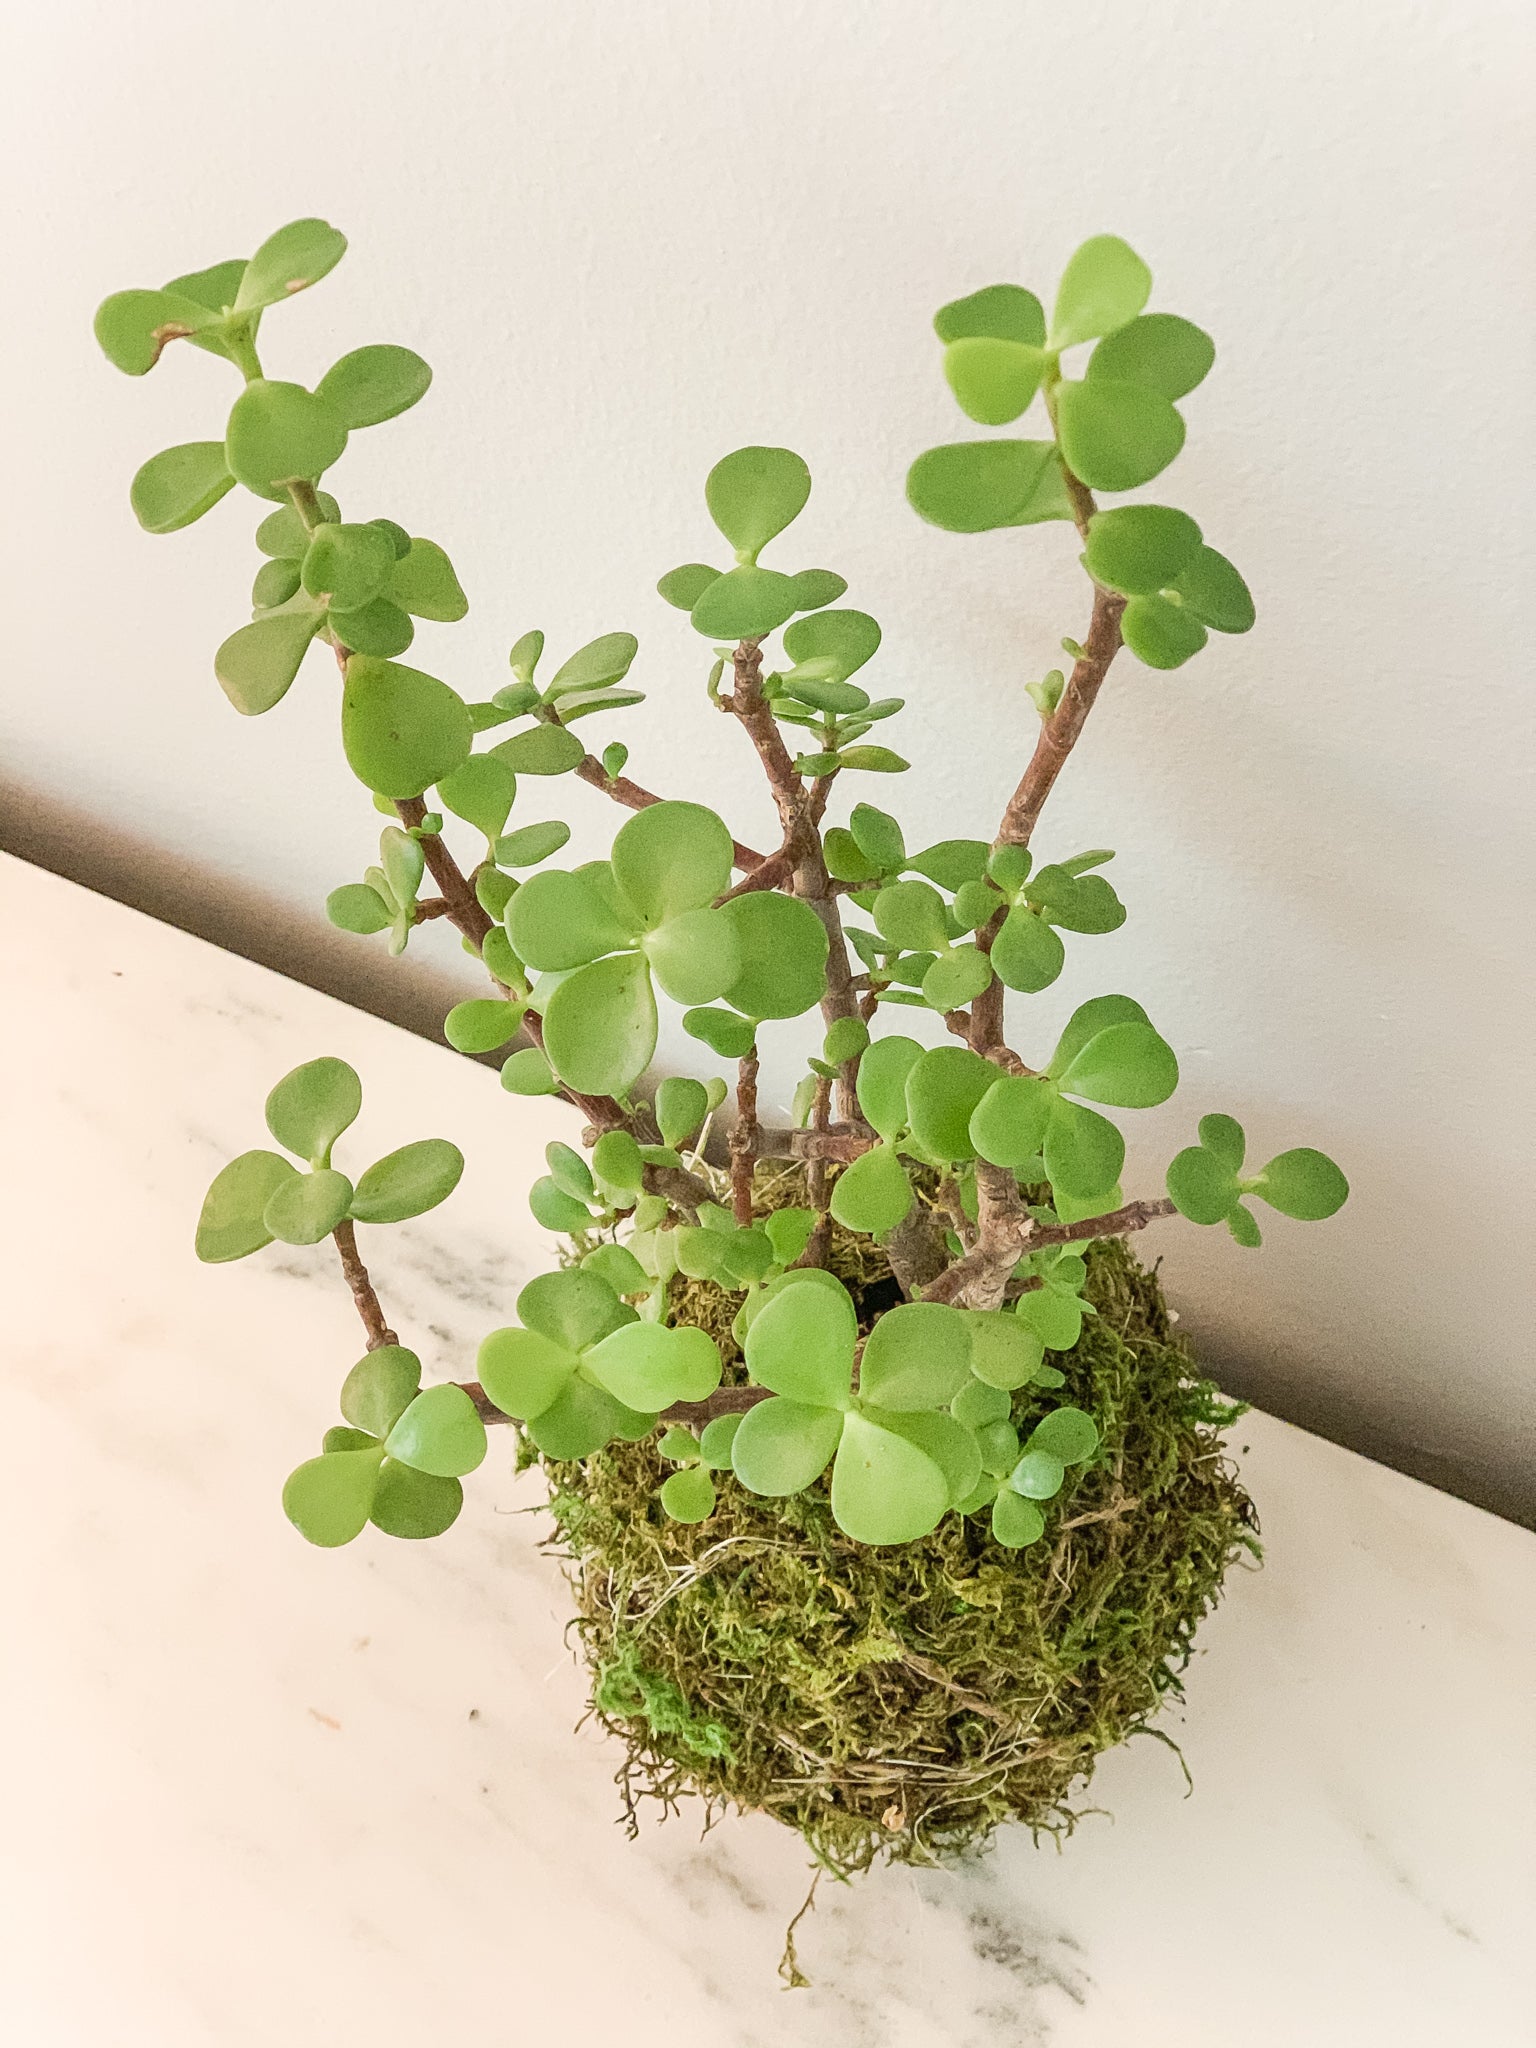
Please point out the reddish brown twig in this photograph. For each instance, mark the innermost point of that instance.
(362, 1287)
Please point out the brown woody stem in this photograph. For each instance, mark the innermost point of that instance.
(368, 1307)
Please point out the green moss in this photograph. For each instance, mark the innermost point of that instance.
(902, 1703)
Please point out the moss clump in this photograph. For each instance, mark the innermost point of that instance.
(902, 1702)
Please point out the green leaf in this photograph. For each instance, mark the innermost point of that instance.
(541, 750)
(975, 905)
(884, 1488)
(530, 844)
(918, 1355)
(600, 1025)
(582, 703)
(1128, 1066)
(274, 584)
(582, 1419)
(782, 1446)
(1037, 1475)
(355, 907)
(425, 584)
(1212, 589)
(602, 661)
(782, 945)
(283, 534)
(524, 658)
(295, 257)
(671, 857)
(618, 1268)
(845, 1039)
(1138, 549)
(943, 1090)
(1302, 1183)
(1015, 1522)
(305, 1209)
(1088, 1020)
(716, 1441)
(649, 1367)
(1161, 634)
(380, 1387)
(1115, 436)
(1009, 1123)
(882, 1083)
(523, 1371)
(872, 760)
(952, 863)
(1004, 312)
(561, 919)
(753, 494)
(481, 792)
(280, 433)
(689, 1496)
(133, 327)
(816, 587)
(721, 1030)
(956, 978)
(1067, 1434)
(570, 1171)
(951, 1446)
(911, 915)
(975, 486)
(256, 665)
(378, 628)
(1159, 350)
(408, 1182)
(873, 1194)
(684, 586)
(402, 730)
(681, 1106)
(993, 380)
(978, 1404)
(214, 287)
(350, 564)
(310, 1108)
(1083, 1150)
(1104, 286)
(1201, 1185)
(232, 1224)
(179, 485)
(744, 604)
(373, 384)
(846, 639)
(845, 862)
(328, 1499)
(414, 1504)
(1080, 903)
(441, 1433)
(789, 1232)
(618, 1163)
(1244, 1227)
(528, 1072)
(801, 1345)
(1223, 1136)
(998, 1443)
(1006, 1352)
(482, 1025)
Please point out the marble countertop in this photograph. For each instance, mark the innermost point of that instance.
(258, 1794)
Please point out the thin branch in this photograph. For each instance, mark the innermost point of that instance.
(634, 798)
(356, 1273)
(744, 1139)
(1012, 1237)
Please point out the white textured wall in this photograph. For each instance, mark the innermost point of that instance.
(629, 238)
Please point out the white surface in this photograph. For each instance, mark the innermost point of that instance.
(631, 238)
(254, 1793)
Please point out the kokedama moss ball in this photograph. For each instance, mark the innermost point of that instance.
(901, 1702)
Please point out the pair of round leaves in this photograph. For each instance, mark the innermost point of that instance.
(752, 495)
(899, 1460)
(398, 1465)
(1177, 586)
(134, 327)
(608, 927)
(1206, 1182)
(584, 1368)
